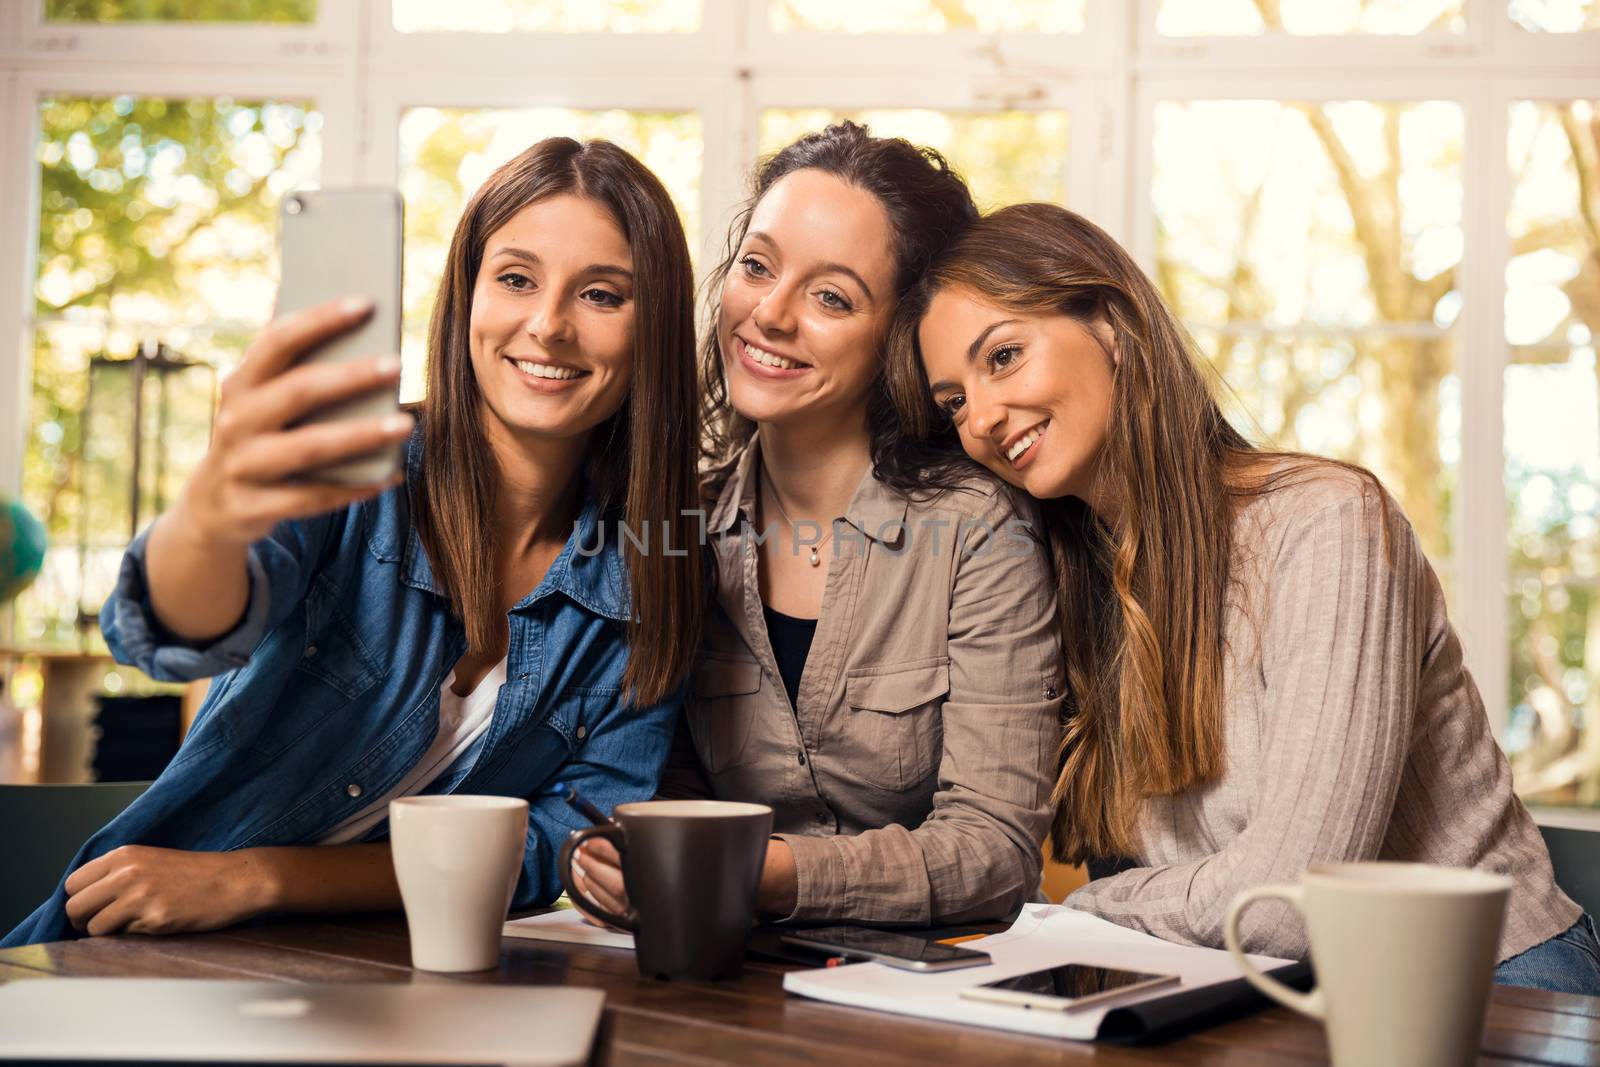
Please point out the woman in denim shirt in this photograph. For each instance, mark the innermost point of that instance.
(473, 630)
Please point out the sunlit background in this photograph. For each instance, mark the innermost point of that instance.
(1380, 218)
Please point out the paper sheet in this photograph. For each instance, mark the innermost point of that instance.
(563, 923)
(1044, 935)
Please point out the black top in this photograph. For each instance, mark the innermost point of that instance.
(791, 644)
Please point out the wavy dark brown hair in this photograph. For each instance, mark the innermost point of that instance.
(642, 467)
(927, 204)
(1141, 602)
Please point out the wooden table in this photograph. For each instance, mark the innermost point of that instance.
(751, 1020)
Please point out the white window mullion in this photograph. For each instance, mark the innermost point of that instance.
(1141, 215)
(1102, 127)
(16, 269)
(1480, 571)
(10, 31)
(344, 120)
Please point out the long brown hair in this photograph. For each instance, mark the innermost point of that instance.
(1141, 603)
(927, 204)
(642, 467)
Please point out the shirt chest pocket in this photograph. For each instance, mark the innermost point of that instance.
(895, 728)
(335, 668)
(721, 707)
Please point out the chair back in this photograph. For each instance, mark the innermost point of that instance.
(42, 828)
(1575, 855)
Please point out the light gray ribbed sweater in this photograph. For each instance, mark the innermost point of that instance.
(1353, 732)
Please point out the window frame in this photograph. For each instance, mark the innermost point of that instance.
(333, 37)
(720, 25)
(776, 51)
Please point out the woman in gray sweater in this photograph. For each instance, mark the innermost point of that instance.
(1261, 673)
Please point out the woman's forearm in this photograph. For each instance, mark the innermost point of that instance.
(775, 896)
(328, 878)
(198, 586)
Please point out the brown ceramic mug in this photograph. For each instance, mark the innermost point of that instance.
(691, 868)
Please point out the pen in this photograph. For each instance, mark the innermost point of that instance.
(584, 808)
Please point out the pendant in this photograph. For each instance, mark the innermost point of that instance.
(816, 561)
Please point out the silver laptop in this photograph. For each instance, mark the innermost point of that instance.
(442, 1022)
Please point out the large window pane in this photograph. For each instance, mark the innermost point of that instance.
(290, 11)
(547, 16)
(446, 153)
(1006, 156)
(1552, 443)
(1556, 16)
(1243, 18)
(1313, 248)
(927, 16)
(157, 224)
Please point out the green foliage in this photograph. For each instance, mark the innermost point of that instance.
(181, 10)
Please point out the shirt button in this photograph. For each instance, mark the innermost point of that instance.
(1050, 691)
(582, 731)
(352, 790)
(311, 650)
(802, 757)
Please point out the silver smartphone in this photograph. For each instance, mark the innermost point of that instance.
(346, 242)
(1067, 988)
(885, 946)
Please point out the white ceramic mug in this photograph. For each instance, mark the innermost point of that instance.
(457, 859)
(1404, 955)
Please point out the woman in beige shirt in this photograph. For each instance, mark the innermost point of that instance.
(1262, 673)
(882, 666)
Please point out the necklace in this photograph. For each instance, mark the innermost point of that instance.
(816, 560)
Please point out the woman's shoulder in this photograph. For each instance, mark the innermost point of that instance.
(1304, 500)
(971, 493)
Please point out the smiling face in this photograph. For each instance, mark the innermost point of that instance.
(807, 301)
(552, 320)
(1030, 395)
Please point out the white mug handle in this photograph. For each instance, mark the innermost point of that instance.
(1305, 1003)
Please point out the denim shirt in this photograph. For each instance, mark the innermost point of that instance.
(327, 693)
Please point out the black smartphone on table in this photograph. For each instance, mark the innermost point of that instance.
(885, 946)
(1068, 987)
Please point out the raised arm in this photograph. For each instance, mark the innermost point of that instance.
(196, 558)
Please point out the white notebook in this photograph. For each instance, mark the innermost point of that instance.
(1044, 935)
(563, 923)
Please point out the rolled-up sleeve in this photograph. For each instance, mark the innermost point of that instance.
(281, 566)
(978, 855)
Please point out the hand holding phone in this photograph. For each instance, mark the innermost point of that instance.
(245, 484)
(333, 242)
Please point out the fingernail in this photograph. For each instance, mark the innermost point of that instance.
(387, 365)
(397, 423)
(355, 305)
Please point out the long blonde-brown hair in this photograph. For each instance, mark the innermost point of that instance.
(1142, 601)
(642, 465)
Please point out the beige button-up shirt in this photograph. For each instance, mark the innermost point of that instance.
(912, 780)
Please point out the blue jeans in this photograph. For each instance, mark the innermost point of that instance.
(1567, 963)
